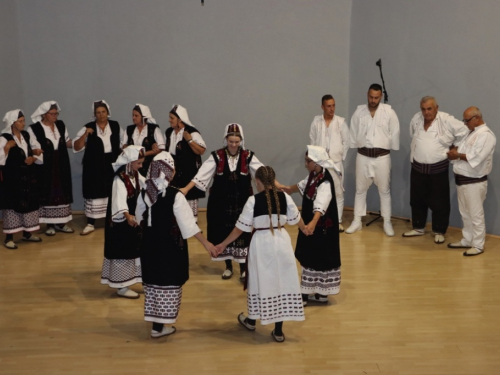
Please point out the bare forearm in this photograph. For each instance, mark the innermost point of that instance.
(235, 233)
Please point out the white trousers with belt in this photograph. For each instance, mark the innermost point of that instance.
(368, 171)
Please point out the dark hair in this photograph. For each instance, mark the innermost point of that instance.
(267, 176)
(20, 114)
(53, 106)
(325, 98)
(174, 111)
(138, 109)
(375, 87)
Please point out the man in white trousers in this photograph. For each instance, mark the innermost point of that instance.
(472, 162)
(374, 132)
(332, 133)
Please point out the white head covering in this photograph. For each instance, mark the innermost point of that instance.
(43, 109)
(10, 118)
(182, 113)
(319, 155)
(99, 102)
(146, 113)
(160, 173)
(230, 130)
(128, 155)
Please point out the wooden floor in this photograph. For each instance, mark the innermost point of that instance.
(406, 306)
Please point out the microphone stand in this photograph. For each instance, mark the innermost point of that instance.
(386, 99)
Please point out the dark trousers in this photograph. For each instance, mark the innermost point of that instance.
(430, 191)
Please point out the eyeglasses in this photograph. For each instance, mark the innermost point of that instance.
(308, 161)
(53, 113)
(467, 121)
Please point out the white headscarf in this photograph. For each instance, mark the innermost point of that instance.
(43, 109)
(233, 128)
(10, 118)
(182, 113)
(146, 113)
(99, 102)
(128, 155)
(160, 173)
(319, 155)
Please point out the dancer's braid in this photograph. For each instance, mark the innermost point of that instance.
(267, 176)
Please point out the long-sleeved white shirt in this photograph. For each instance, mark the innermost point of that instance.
(138, 137)
(53, 136)
(380, 131)
(431, 146)
(22, 144)
(105, 136)
(334, 138)
(479, 147)
(323, 195)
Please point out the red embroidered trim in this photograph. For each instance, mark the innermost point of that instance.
(312, 185)
(131, 189)
(221, 163)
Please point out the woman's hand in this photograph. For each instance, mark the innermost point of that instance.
(29, 160)
(220, 248)
(38, 152)
(130, 220)
(212, 250)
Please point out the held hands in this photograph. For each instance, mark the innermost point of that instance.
(37, 152)
(211, 249)
(29, 160)
(131, 220)
(220, 248)
(453, 153)
(309, 228)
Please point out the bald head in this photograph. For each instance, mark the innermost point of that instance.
(473, 117)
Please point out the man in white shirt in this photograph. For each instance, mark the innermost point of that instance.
(432, 132)
(374, 132)
(331, 132)
(472, 162)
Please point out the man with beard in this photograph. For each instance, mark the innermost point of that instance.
(374, 132)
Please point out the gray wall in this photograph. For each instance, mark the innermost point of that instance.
(11, 93)
(447, 49)
(264, 64)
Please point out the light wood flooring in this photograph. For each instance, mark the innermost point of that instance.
(406, 306)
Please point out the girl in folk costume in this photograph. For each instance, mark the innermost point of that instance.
(18, 189)
(144, 132)
(319, 253)
(185, 144)
(101, 140)
(167, 221)
(122, 267)
(231, 169)
(54, 176)
(273, 285)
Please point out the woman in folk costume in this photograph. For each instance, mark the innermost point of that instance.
(122, 267)
(185, 144)
(18, 184)
(231, 169)
(146, 133)
(101, 140)
(167, 221)
(319, 253)
(273, 284)
(54, 176)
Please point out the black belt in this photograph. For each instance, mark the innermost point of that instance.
(373, 152)
(464, 180)
(439, 167)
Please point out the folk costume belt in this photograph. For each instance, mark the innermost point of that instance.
(373, 152)
(439, 167)
(464, 180)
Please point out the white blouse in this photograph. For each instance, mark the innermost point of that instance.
(53, 136)
(138, 137)
(22, 144)
(323, 195)
(105, 136)
(176, 138)
(208, 168)
(246, 221)
(119, 197)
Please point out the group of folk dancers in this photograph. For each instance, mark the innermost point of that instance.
(149, 218)
(149, 197)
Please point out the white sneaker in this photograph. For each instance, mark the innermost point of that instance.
(87, 230)
(473, 251)
(128, 293)
(439, 238)
(414, 233)
(164, 332)
(227, 274)
(355, 226)
(388, 229)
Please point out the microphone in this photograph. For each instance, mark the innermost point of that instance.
(379, 62)
(386, 96)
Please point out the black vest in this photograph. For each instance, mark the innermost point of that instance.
(260, 207)
(321, 251)
(18, 184)
(147, 143)
(54, 175)
(97, 176)
(187, 163)
(164, 253)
